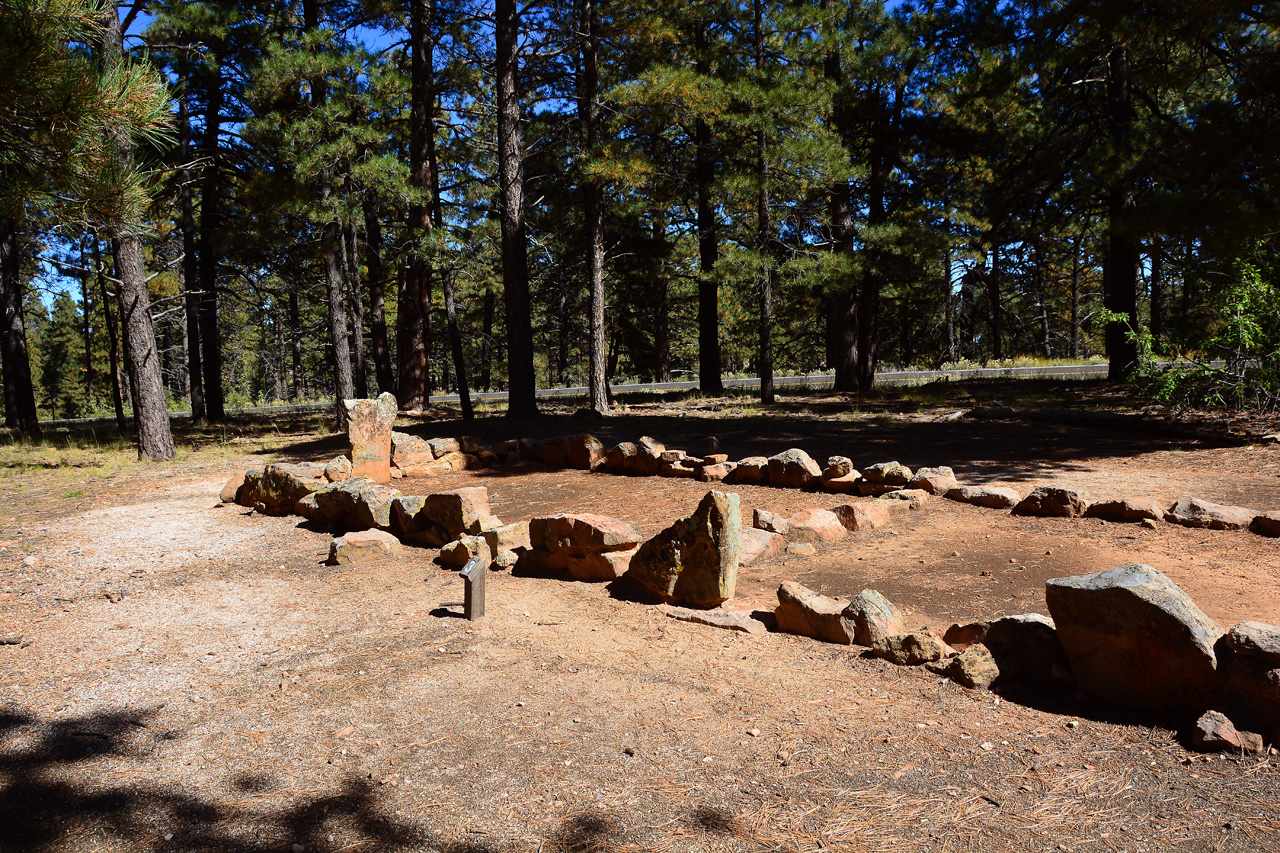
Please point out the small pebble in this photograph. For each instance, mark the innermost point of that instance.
(1071, 724)
(987, 746)
(753, 732)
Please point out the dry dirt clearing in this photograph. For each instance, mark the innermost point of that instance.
(192, 677)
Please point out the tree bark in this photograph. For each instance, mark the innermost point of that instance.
(455, 339)
(763, 227)
(113, 335)
(1120, 264)
(377, 298)
(709, 379)
(355, 307)
(208, 247)
(190, 272)
(486, 330)
(842, 316)
(522, 385)
(415, 297)
(295, 346)
(994, 308)
(19, 394)
(593, 206)
(142, 358)
(1157, 290)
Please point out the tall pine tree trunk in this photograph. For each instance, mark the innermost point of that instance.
(522, 385)
(414, 336)
(377, 297)
(995, 310)
(142, 357)
(209, 249)
(190, 273)
(708, 238)
(355, 307)
(1120, 263)
(593, 207)
(763, 228)
(486, 330)
(455, 340)
(113, 334)
(842, 327)
(19, 394)
(1157, 290)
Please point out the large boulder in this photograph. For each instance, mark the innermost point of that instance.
(357, 503)
(815, 525)
(1193, 512)
(589, 547)
(873, 618)
(1134, 638)
(694, 561)
(369, 424)
(282, 485)
(762, 519)
(717, 472)
(442, 515)
(1125, 510)
(810, 614)
(993, 497)
(848, 484)
(444, 445)
(410, 450)
(1053, 502)
(793, 469)
(1025, 647)
(935, 481)
(247, 493)
(361, 545)
(1256, 640)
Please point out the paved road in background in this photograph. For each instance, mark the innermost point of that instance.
(817, 381)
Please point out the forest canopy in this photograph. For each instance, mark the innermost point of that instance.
(332, 198)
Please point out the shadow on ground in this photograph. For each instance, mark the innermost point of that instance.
(55, 794)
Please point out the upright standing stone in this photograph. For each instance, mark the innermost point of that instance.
(695, 560)
(369, 424)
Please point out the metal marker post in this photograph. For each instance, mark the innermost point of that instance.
(473, 574)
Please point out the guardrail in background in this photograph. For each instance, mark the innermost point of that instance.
(812, 380)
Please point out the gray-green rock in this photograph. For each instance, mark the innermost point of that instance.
(1134, 638)
(694, 561)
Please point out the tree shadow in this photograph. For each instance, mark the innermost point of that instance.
(53, 789)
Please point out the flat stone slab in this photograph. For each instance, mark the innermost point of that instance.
(1256, 640)
(810, 614)
(1194, 512)
(992, 497)
(730, 620)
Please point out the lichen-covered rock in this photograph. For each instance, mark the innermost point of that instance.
(862, 516)
(793, 469)
(1134, 638)
(910, 649)
(992, 497)
(410, 450)
(873, 618)
(282, 485)
(247, 494)
(935, 481)
(1053, 502)
(1125, 510)
(810, 614)
(815, 525)
(369, 425)
(837, 466)
(694, 561)
(443, 446)
(974, 668)
(648, 456)
(338, 469)
(888, 473)
(1193, 512)
(360, 545)
(508, 537)
(1256, 640)
(357, 503)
